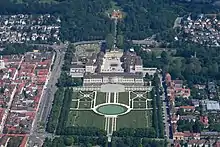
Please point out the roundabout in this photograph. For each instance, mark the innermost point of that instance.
(111, 109)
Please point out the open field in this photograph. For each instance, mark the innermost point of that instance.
(124, 98)
(134, 119)
(85, 104)
(139, 104)
(85, 119)
(100, 98)
(74, 104)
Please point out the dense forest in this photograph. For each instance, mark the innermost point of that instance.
(87, 19)
(192, 62)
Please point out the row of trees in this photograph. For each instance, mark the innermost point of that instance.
(137, 142)
(18, 48)
(84, 131)
(157, 81)
(154, 115)
(157, 107)
(110, 41)
(55, 111)
(82, 141)
(68, 57)
(67, 81)
(64, 111)
(135, 132)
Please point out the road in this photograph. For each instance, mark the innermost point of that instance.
(38, 135)
(166, 113)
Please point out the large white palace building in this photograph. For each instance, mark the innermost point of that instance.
(114, 67)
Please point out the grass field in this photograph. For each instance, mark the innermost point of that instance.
(134, 119)
(124, 98)
(85, 119)
(74, 104)
(100, 98)
(85, 105)
(75, 95)
(139, 104)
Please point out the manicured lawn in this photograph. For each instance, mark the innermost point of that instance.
(88, 119)
(71, 118)
(134, 119)
(139, 104)
(100, 98)
(112, 98)
(132, 95)
(85, 104)
(123, 98)
(147, 95)
(75, 95)
(74, 104)
(149, 104)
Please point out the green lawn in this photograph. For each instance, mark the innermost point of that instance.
(75, 95)
(85, 104)
(112, 98)
(123, 98)
(71, 118)
(74, 104)
(149, 104)
(132, 95)
(134, 119)
(139, 104)
(86, 119)
(100, 98)
(147, 95)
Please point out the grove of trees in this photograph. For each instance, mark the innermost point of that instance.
(137, 142)
(55, 111)
(63, 117)
(87, 20)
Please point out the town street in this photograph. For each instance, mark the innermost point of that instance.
(38, 134)
(166, 115)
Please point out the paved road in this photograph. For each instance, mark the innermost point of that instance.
(166, 113)
(37, 135)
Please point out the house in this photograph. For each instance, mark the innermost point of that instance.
(204, 120)
(216, 144)
(195, 102)
(187, 108)
(198, 143)
(212, 87)
(212, 105)
(77, 70)
(200, 87)
(168, 78)
(188, 117)
(185, 135)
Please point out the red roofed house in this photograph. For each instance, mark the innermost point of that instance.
(185, 135)
(204, 120)
(187, 108)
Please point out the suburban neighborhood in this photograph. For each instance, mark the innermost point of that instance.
(192, 120)
(29, 28)
(23, 80)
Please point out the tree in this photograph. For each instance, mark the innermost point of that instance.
(197, 127)
(68, 140)
(109, 41)
(165, 57)
(120, 41)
